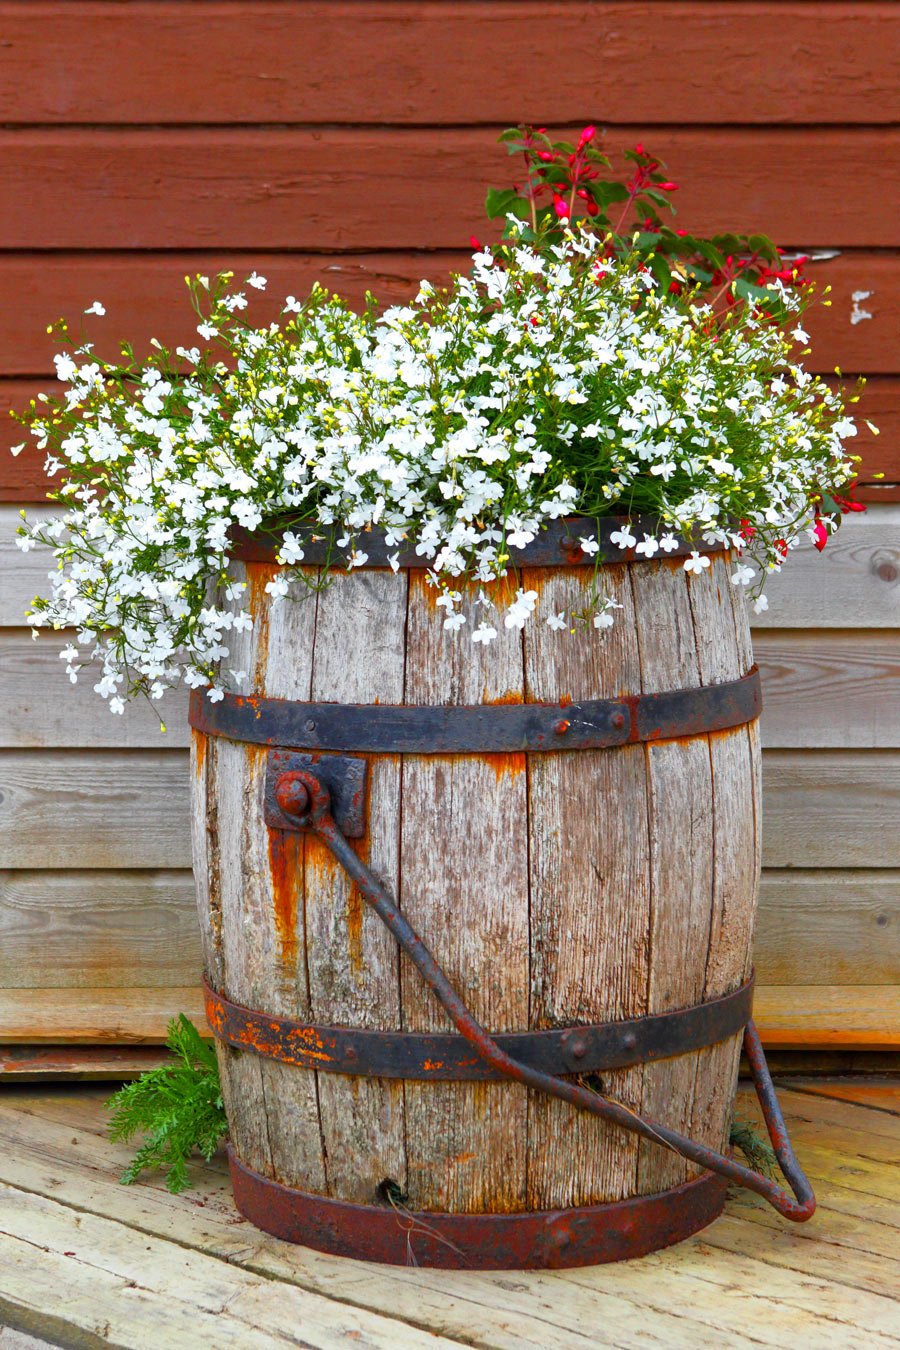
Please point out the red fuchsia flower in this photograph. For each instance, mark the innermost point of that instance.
(473, 241)
(820, 534)
(747, 531)
(586, 137)
(560, 207)
(667, 187)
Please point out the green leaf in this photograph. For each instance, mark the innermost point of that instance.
(499, 200)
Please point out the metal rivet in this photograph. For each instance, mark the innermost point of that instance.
(629, 1040)
(291, 796)
(618, 719)
(578, 1047)
(561, 727)
(309, 724)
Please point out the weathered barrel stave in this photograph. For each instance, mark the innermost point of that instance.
(554, 888)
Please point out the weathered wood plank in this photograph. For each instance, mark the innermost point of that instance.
(485, 1309)
(96, 1016)
(145, 296)
(590, 875)
(369, 188)
(863, 1015)
(94, 809)
(464, 887)
(93, 930)
(838, 689)
(831, 927)
(837, 808)
(353, 961)
(80, 1063)
(41, 708)
(827, 689)
(127, 1287)
(164, 62)
(822, 808)
(813, 926)
(855, 583)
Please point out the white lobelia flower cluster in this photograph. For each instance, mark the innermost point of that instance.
(550, 382)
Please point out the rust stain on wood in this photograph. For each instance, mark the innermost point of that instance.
(199, 742)
(285, 869)
(504, 765)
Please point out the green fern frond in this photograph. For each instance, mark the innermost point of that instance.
(178, 1106)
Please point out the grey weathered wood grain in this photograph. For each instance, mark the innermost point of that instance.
(41, 709)
(352, 960)
(84, 929)
(822, 808)
(590, 886)
(465, 888)
(854, 583)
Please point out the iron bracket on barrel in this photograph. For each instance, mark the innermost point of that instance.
(304, 798)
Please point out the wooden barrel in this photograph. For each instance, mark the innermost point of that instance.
(557, 888)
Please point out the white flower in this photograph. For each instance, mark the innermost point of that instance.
(696, 562)
(290, 551)
(454, 621)
(604, 620)
(588, 546)
(557, 621)
(292, 305)
(484, 633)
(760, 604)
(648, 546)
(742, 575)
(116, 705)
(207, 330)
(624, 538)
(17, 449)
(257, 282)
(668, 543)
(95, 308)
(520, 609)
(277, 587)
(215, 695)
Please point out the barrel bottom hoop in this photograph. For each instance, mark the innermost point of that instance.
(448, 1056)
(542, 1239)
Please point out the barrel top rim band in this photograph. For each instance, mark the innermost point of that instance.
(558, 544)
(382, 728)
(448, 1057)
(538, 1239)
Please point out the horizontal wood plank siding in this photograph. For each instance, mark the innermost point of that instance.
(310, 188)
(221, 62)
(351, 143)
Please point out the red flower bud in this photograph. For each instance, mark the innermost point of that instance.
(545, 157)
(820, 534)
(473, 241)
(587, 135)
(667, 187)
(560, 207)
(592, 209)
(639, 148)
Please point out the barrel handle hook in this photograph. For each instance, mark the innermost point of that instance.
(316, 816)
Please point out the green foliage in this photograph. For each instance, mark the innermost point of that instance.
(177, 1106)
(758, 1151)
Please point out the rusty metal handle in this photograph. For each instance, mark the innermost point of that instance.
(308, 801)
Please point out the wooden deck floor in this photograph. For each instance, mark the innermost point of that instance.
(86, 1262)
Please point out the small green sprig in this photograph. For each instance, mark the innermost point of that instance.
(178, 1106)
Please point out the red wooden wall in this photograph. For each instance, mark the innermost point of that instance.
(352, 142)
